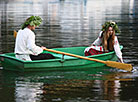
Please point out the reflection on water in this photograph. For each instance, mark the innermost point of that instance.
(94, 84)
(70, 23)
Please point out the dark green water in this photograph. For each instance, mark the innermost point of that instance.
(69, 23)
(98, 84)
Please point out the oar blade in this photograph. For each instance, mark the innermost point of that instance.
(119, 65)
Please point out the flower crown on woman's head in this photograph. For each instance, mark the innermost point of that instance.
(106, 25)
(33, 21)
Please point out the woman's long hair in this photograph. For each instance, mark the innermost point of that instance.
(108, 40)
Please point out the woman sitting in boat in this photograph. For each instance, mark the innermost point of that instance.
(25, 47)
(106, 42)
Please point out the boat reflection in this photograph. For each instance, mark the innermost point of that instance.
(112, 85)
(98, 84)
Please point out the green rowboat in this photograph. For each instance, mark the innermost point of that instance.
(61, 62)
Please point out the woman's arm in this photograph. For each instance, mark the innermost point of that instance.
(98, 41)
(118, 50)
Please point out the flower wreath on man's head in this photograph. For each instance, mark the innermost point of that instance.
(32, 21)
(106, 25)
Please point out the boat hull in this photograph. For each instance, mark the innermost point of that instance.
(9, 62)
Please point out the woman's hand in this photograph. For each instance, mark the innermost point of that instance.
(106, 51)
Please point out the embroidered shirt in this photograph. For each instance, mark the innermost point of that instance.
(117, 50)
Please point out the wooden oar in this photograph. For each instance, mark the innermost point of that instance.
(14, 33)
(124, 66)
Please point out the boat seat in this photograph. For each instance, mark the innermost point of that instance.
(65, 56)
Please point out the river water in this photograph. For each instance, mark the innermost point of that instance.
(69, 23)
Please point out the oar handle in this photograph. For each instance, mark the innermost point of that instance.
(73, 55)
(14, 33)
